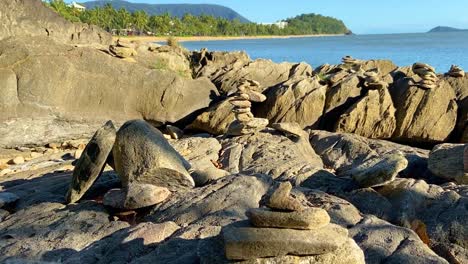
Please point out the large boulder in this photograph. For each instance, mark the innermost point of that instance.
(216, 119)
(85, 91)
(372, 116)
(32, 18)
(142, 155)
(423, 116)
(447, 161)
(266, 72)
(91, 163)
(300, 99)
(293, 159)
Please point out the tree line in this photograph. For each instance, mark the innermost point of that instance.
(122, 22)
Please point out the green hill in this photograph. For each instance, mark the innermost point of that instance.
(446, 29)
(176, 10)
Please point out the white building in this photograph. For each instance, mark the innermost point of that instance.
(78, 6)
(279, 24)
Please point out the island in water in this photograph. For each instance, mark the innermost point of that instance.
(446, 29)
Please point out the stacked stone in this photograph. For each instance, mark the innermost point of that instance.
(456, 71)
(123, 49)
(245, 122)
(352, 62)
(285, 228)
(427, 74)
(372, 80)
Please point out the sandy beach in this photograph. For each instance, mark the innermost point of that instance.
(215, 38)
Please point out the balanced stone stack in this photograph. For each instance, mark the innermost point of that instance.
(354, 64)
(285, 228)
(123, 49)
(245, 122)
(372, 80)
(456, 71)
(428, 76)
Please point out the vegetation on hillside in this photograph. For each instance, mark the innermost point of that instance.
(122, 22)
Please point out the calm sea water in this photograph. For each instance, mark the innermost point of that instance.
(438, 49)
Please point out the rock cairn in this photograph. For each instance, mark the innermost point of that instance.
(123, 49)
(428, 76)
(456, 71)
(285, 228)
(245, 122)
(348, 60)
(373, 81)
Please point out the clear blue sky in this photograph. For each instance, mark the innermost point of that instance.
(361, 16)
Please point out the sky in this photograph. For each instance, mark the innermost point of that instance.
(361, 16)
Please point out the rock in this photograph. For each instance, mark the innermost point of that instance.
(465, 160)
(124, 245)
(256, 96)
(264, 71)
(136, 196)
(67, 103)
(238, 128)
(91, 163)
(349, 253)
(281, 200)
(221, 203)
(378, 171)
(165, 58)
(216, 119)
(372, 116)
(308, 219)
(68, 229)
(18, 160)
(249, 243)
(142, 155)
(340, 152)
(35, 155)
(424, 116)
(3, 214)
(382, 241)
(290, 129)
(122, 52)
(299, 100)
(174, 132)
(39, 20)
(447, 161)
(7, 199)
(78, 153)
(254, 154)
(203, 177)
(200, 151)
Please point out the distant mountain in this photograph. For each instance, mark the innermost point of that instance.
(178, 10)
(446, 29)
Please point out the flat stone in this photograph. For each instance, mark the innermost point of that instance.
(260, 123)
(250, 243)
(142, 155)
(241, 103)
(378, 171)
(91, 161)
(207, 175)
(290, 129)
(256, 96)
(18, 160)
(308, 219)
(244, 118)
(136, 196)
(281, 199)
(7, 199)
(122, 52)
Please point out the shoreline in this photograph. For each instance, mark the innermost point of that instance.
(218, 38)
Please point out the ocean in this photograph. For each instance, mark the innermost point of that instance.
(440, 50)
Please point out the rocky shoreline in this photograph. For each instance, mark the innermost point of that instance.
(211, 157)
